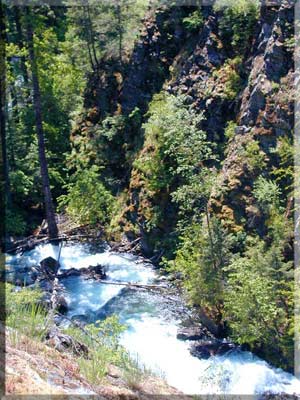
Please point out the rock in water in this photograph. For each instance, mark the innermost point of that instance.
(207, 348)
(97, 271)
(49, 266)
(69, 272)
(191, 333)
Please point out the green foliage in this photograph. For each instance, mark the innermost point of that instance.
(61, 81)
(237, 22)
(87, 200)
(267, 193)
(250, 303)
(268, 196)
(22, 184)
(259, 301)
(25, 314)
(275, 86)
(106, 28)
(254, 156)
(172, 166)
(102, 340)
(259, 292)
(177, 147)
(284, 173)
(230, 130)
(229, 75)
(14, 222)
(201, 257)
(194, 21)
(104, 145)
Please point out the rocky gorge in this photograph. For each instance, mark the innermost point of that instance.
(163, 167)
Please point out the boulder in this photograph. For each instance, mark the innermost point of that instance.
(62, 342)
(207, 348)
(49, 266)
(61, 304)
(97, 271)
(191, 333)
(69, 272)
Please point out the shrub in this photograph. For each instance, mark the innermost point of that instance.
(267, 193)
(230, 74)
(14, 222)
(134, 372)
(230, 130)
(194, 21)
(258, 301)
(255, 157)
(178, 147)
(285, 173)
(102, 340)
(171, 167)
(237, 22)
(87, 201)
(25, 314)
(201, 257)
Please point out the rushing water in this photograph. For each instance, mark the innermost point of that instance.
(152, 325)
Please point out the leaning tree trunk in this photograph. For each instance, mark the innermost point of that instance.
(120, 31)
(7, 196)
(52, 227)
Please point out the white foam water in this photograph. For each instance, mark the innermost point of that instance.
(150, 336)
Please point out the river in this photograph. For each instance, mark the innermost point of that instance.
(152, 323)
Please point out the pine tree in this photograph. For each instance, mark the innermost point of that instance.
(52, 227)
(7, 196)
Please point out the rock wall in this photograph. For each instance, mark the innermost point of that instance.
(265, 115)
(253, 89)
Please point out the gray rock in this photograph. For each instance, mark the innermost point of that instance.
(191, 333)
(207, 348)
(61, 304)
(62, 342)
(49, 266)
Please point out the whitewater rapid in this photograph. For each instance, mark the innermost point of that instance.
(151, 328)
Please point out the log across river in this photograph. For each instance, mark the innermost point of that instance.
(152, 321)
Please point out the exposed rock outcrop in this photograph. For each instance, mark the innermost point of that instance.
(265, 115)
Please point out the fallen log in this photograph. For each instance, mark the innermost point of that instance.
(132, 285)
(31, 243)
(125, 247)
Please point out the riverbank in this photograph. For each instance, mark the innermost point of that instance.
(33, 368)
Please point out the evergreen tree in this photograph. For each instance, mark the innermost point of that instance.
(50, 215)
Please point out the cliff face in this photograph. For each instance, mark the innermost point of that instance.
(249, 88)
(264, 116)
